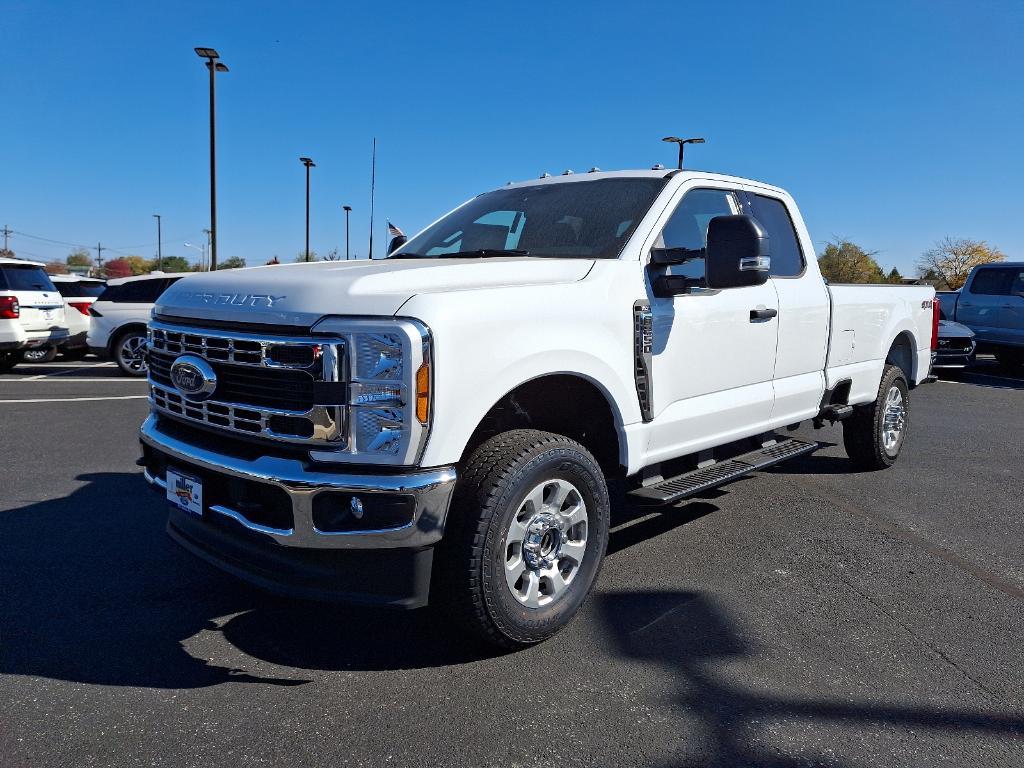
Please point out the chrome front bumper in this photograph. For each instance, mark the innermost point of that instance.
(431, 490)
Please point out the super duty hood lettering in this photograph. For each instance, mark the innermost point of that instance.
(260, 300)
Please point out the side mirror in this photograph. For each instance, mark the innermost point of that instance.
(737, 252)
(397, 242)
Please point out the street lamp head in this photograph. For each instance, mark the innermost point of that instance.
(693, 141)
(347, 207)
(671, 138)
(207, 53)
(224, 68)
(307, 162)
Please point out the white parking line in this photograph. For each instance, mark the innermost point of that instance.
(76, 399)
(71, 381)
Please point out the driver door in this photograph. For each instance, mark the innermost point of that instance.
(712, 364)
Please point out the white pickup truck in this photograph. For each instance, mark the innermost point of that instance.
(443, 424)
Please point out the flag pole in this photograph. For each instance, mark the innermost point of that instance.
(373, 184)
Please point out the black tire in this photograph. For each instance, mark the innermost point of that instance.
(8, 360)
(472, 584)
(118, 352)
(44, 355)
(78, 353)
(865, 433)
(1010, 357)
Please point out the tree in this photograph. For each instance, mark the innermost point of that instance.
(845, 262)
(56, 268)
(302, 257)
(119, 267)
(933, 278)
(7, 253)
(139, 265)
(173, 264)
(894, 276)
(953, 258)
(332, 255)
(232, 262)
(79, 257)
(273, 261)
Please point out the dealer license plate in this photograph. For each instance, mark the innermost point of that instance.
(184, 492)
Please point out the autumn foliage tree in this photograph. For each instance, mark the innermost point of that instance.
(953, 258)
(119, 267)
(844, 261)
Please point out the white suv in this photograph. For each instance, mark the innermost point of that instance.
(31, 311)
(79, 293)
(119, 317)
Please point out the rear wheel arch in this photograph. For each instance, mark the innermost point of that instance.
(903, 354)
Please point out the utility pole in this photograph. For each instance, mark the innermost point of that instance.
(7, 233)
(159, 245)
(348, 210)
(207, 251)
(99, 256)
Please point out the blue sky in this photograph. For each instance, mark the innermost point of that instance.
(893, 124)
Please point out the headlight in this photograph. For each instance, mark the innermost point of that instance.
(388, 367)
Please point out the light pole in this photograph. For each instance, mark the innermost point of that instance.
(202, 254)
(208, 234)
(159, 245)
(309, 164)
(214, 66)
(348, 210)
(682, 143)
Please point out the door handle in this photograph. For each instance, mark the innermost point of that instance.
(762, 314)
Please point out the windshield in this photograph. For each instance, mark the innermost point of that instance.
(582, 219)
(27, 277)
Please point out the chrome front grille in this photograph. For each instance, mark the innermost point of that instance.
(287, 389)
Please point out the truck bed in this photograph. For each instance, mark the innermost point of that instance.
(865, 319)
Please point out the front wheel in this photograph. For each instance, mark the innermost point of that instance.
(130, 353)
(526, 537)
(874, 434)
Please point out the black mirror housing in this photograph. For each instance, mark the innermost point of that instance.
(737, 252)
(397, 242)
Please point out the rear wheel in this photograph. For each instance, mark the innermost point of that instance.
(130, 353)
(527, 533)
(39, 355)
(1010, 357)
(874, 433)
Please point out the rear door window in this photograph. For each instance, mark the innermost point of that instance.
(994, 281)
(24, 277)
(139, 291)
(783, 246)
(85, 288)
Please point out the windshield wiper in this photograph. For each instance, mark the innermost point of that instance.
(484, 252)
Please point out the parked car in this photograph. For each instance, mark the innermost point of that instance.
(956, 346)
(79, 293)
(442, 424)
(31, 312)
(991, 303)
(119, 316)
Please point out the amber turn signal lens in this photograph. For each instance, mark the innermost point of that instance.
(423, 393)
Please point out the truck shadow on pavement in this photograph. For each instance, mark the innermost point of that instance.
(95, 592)
(689, 637)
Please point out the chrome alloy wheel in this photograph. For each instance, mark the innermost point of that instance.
(894, 419)
(546, 542)
(133, 353)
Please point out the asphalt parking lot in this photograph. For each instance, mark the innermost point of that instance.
(808, 615)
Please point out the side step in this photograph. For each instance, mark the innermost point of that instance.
(699, 480)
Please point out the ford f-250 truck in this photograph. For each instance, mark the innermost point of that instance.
(442, 424)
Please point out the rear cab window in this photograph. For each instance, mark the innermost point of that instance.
(24, 277)
(83, 289)
(783, 245)
(997, 281)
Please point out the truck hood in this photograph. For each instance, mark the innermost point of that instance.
(300, 294)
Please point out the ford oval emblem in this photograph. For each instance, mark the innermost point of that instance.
(193, 377)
